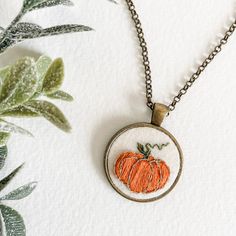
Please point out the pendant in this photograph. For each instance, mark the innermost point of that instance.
(143, 161)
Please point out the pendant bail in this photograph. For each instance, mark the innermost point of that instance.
(159, 113)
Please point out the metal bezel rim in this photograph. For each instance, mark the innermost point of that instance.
(132, 126)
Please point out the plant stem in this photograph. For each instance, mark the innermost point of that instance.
(8, 29)
(17, 19)
(4, 39)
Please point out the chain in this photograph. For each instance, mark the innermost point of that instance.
(143, 45)
(146, 62)
(203, 66)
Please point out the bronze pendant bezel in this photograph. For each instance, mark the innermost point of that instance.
(137, 125)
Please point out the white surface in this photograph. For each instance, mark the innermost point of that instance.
(104, 73)
(127, 141)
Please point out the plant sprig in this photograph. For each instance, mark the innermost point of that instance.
(10, 219)
(23, 86)
(18, 31)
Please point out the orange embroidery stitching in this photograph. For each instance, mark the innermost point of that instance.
(141, 172)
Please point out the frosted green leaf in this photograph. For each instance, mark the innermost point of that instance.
(64, 29)
(29, 4)
(56, 30)
(20, 193)
(3, 156)
(4, 182)
(43, 65)
(17, 36)
(54, 77)
(49, 112)
(4, 72)
(20, 84)
(1, 224)
(20, 112)
(14, 223)
(61, 95)
(7, 43)
(17, 32)
(52, 3)
(4, 137)
(25, 28)
(8, 127)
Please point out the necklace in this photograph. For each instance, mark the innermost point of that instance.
(151, 172)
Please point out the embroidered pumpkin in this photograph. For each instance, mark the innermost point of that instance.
(141, 172)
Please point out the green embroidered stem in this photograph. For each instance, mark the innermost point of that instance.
(147, 148)
(159, 146)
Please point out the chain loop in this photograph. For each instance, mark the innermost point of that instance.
(146, 62)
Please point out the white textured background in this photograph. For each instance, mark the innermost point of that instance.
(104, 74)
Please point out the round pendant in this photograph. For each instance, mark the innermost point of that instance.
(143, 162)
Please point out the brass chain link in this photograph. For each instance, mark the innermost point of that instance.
(143, 45)
(146, 62)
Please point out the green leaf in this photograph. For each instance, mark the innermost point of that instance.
(4, 182)
(56, 30)
(43, 65)
(3, 156)
(8, 127)
(25, 29)
(3, 75)
(140, 147)
(7, 42)
(20, 193)
(20, 112)
(61, 95)
(29, 4)
(50, 112)
(54, 77)
(4, 137)
(52, 3)
(4, 72)
(20, 84)
(13, 221)
(64, 29)
(1, 224)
